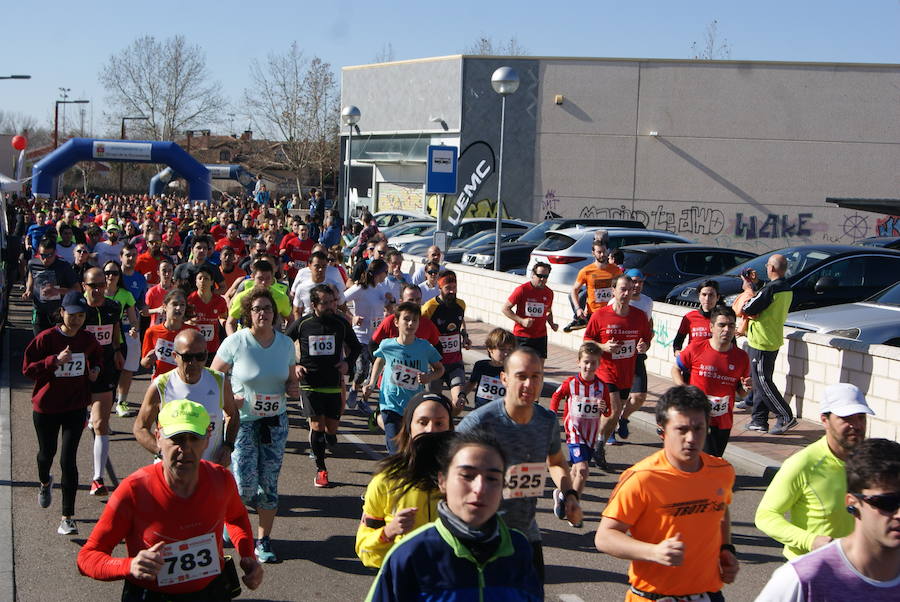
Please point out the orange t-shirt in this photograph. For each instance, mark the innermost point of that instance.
(598, 282)
(162, 339)
(207, 316)
(148, 265)
(657, 501)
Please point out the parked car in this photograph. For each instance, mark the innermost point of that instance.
(406, 228)
(569, 250)
(467, 228)
(888, 242)
(669, 264)
(875, 321)
(386, 219)
(513, 256)
(819, 275)
(535, 235)
(475, 243)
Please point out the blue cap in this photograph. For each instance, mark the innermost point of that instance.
(634, 273)
(74, 302)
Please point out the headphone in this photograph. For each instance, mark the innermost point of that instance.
(853, 510)
(659, 431)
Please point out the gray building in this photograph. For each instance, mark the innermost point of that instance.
(728, 152)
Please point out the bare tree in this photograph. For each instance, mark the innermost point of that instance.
(165, 81)
(386, 54)
(322, 115)
(486, 45)
(12, 122)
(712, 47)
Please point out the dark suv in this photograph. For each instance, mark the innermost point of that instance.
(669, 264)
(819, 275)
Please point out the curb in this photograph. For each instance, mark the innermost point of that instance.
(7, 563)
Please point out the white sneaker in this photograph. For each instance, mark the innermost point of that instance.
(67, 526)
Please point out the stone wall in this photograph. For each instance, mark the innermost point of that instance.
(806, 365)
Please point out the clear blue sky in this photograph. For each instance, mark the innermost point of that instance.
(64, 44)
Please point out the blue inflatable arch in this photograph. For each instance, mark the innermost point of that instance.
(127, 151)
(217, 171)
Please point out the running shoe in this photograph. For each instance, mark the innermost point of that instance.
(782, 428)
(612, 440)
(123, 410)
(623, 431)
(322, 479)
(45, 495)
(98, 488)
(576, 324)
(600, 458)
(264, 551)
(743, 405)
(559, 504)
(758, 426)
(67, 526)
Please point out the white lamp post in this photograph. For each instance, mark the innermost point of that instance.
(505, 81)
(350, 117)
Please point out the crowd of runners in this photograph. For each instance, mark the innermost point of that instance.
(237, 307)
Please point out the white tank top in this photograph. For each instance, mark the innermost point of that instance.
(209, 392)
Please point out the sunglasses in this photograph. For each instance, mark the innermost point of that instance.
(432, 272)
(886, 502)
(113, 273)
(95, 285)
(47, 255)
(543, 276)
(192, 357)
(81, 250)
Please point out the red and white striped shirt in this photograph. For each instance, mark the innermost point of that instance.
(585, 403)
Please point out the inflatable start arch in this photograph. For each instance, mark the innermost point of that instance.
(91, 149)
(216, 172)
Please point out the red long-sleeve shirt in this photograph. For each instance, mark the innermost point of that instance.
(143, 510)
(65, 388)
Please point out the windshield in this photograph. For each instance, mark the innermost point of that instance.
(889, 296)
(634, 259)
(799, 259)
(536, 233)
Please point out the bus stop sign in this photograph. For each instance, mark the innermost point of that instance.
(441, 175)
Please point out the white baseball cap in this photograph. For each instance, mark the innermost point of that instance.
(844, 400)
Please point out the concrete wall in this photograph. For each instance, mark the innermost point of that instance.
(806, 365)
(746, 152)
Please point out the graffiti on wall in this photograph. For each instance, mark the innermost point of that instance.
(889, 225)
(690, 220)
(398, 197)
(772, 226)
(550, 205)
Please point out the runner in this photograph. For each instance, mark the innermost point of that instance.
(721, 370)
(408, 363)
(429, 286)
(622, 333)
(128, 325)
(158, 348)
(171, 515)
(147, 263)
(529, 436)
(585, 399)
(597, 278)
(62, 361)
(209, 310)
(469, 553)
(323, 337)
(48, 280)
(103, 320)
(261, 363)
(669, 513)
(410, 293)
(638, 394)
(157, 293)
(318, 266)
(485, 376)
(434, 255)
(186, 273)
(191, 380)
(403, 495)
(695, 324)
(263, 276)
(534, 310)
(395, 278)
(448, 314)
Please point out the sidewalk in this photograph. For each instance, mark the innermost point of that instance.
(753, 450)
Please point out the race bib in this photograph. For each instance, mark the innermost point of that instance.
(490, 388)
(189, 559)
(534, 309)
(586, 407)
(405, 377)
(719, 405)
(266, 405)
(450, 343)
(525, 480)
(103, 334)
(208, 331)
(74, 367)
(165, 351)
(322, 344)
(602, 295)
(625, 350)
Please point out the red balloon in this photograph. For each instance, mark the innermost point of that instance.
(19, 142)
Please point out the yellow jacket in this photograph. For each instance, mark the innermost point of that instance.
(380, 505)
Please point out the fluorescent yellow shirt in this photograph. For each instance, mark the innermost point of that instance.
(811, 486)
(282, 303)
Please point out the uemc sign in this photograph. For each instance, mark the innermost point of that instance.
(476, 164)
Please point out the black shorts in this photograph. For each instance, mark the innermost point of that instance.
(612, 388)
(316, 403)
(454, 376)
(539, 344)
(108, 379)
(639, 384)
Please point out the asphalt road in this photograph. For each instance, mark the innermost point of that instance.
(315, 530)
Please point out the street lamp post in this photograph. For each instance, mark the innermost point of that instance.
(350, 117)
(15, 77)
(56, 117)
(122, 165)
(505, 81)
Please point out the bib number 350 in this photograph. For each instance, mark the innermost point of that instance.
(189, 560)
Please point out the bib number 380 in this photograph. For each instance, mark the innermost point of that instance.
(189, 559)
(525, 480)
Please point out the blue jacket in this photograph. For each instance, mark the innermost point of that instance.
(431, 564)
(331, 236)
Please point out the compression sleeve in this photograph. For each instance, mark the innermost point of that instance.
(95, 559)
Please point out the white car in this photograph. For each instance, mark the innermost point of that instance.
(386, 219)
(569, 250)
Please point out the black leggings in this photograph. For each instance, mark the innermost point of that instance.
(716, 441)
(47, 427)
